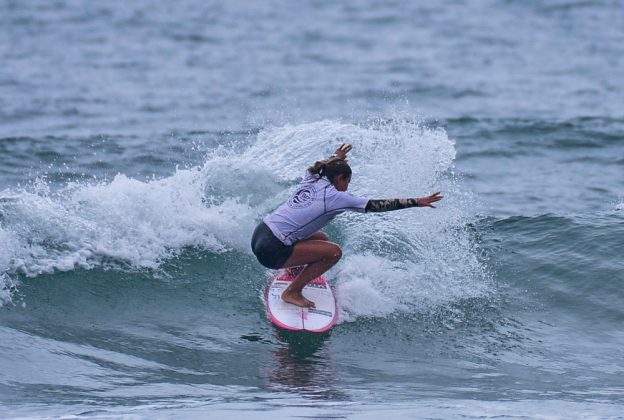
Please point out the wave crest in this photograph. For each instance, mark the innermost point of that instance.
(400, 261)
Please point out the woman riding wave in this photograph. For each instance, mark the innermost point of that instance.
(290, 236)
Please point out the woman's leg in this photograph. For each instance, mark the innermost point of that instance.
(319, 236)
(318, 256)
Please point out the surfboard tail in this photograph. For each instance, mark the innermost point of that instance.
(294, 318)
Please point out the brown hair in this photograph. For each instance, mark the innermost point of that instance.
(331, 168)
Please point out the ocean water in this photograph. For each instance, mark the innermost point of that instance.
(141, 142)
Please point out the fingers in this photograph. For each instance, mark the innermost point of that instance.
(341, 152)
(435, 197)
(426, 201)
(344, 148)
(429, 200)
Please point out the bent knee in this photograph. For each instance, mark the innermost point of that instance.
(319, 236)
(336, 253)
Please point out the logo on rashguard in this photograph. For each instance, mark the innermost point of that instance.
(303, 197)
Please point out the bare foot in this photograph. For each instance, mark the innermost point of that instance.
(297, 299)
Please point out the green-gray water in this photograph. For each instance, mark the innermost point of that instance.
(141, 142)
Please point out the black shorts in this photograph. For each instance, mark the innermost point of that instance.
(269, 250)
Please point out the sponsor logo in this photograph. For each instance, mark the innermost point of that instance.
(320, 312)
(302, 198)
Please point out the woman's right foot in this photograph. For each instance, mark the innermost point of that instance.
(297, 299)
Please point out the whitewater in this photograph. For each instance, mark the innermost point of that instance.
(141, 143)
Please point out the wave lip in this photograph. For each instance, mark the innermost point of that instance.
(416, 258)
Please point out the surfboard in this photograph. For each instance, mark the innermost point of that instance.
(294, 318)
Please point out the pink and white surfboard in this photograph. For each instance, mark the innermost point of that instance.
(294, 318)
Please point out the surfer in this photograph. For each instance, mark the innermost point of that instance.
(290, 236)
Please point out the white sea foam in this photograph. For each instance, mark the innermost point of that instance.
(134, 222)
(409, 260)
(406, 261)
(9, 243)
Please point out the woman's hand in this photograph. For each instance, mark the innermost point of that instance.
(341, 152)
(426, 201)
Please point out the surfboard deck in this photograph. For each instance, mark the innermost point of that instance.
(294, 318)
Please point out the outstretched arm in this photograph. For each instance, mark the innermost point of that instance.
(402, 203)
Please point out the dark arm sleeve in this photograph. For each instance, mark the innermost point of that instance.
(390, 204)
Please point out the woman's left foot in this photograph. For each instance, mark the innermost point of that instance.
(297, 299)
